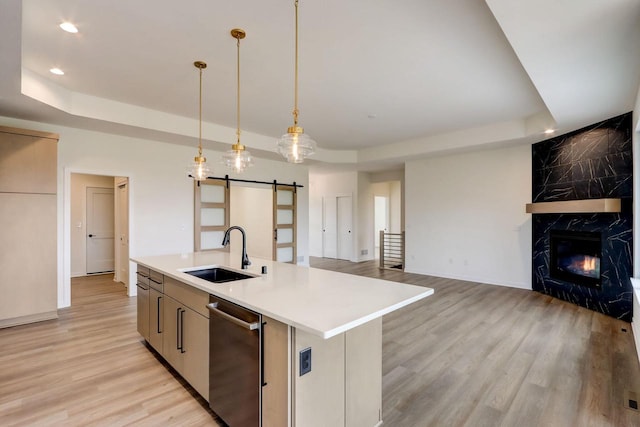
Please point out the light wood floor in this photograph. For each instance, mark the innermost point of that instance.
(90, 367)
(483, 355)
(470, 355)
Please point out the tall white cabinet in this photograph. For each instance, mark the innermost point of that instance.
(28, 249)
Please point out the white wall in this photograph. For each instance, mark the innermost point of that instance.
(465, 216)
(364, 227)
(323, 185)
(395, 207)
(78, 230)
(161, 194)
(252, 209)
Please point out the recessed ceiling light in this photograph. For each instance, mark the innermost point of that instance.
(69, 27)
(549, 131)
(372, 116)
(57, 71)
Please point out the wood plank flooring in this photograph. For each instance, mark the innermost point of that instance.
(483, 355)
(90, 367)
(470, 355)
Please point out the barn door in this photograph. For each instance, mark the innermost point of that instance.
(284, 223)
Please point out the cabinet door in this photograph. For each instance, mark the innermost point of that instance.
(275, 389)
(171, 348)
(363, 374)
(195, 345)
(156, 319)
(143, 311)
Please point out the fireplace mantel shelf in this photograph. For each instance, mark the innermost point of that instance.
(576, 206)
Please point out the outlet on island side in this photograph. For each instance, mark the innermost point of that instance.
(305, 361)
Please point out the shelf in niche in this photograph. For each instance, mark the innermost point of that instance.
(576, 206)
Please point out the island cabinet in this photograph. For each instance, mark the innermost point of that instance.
(142, 282)
(173, 319)
(185, 341)
(156, 319)
(333, 317)
(344, 386)
(156, 309)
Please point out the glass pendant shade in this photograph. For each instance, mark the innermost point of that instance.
(199, 169)
(295, 145)
(237, 159)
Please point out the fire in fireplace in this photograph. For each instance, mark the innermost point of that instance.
(575, 257)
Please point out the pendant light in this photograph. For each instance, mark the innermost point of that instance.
(295, 145)
(238, 158)
(199, 169)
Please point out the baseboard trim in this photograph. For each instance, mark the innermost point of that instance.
(32, 318)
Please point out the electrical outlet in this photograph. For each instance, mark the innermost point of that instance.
(305, 361)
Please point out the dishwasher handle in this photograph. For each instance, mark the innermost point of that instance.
(251, 326)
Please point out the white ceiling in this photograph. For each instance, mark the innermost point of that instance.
(380, 80)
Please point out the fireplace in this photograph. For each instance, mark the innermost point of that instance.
(575, 257)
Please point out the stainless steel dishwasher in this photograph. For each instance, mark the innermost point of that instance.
(235, 363)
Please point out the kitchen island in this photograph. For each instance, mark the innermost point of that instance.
(335, 317)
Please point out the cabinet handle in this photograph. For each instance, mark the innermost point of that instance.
(158, 316)
(262, 331)
(182, 350)
(178, 329)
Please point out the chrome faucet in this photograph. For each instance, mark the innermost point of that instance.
(225, 242)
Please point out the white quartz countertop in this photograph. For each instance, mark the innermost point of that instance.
(321, 302)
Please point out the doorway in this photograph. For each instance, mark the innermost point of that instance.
(337, 236)
(250, 208)
(381, 220)
(99, 225)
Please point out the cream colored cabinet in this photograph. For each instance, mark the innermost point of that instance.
(185, 341)
(344, 386)
(195, 347)
(28, 263)
(156, 309)
(275, 390)
(142, 282)
(186, 344)
(171, 343)
(156, 318)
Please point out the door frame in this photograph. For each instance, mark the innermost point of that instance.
(64, 231)
(335, 197)
(118, 183)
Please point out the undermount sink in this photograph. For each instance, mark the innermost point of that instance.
(219, 275)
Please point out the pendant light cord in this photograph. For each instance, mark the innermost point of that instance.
(295, 91)
(200, 118)
(238, 101)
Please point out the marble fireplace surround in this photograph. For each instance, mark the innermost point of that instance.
(582, 181)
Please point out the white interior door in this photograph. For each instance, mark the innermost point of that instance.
(100, 233)
(123, 232)
(344, 223)
(329, 227)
